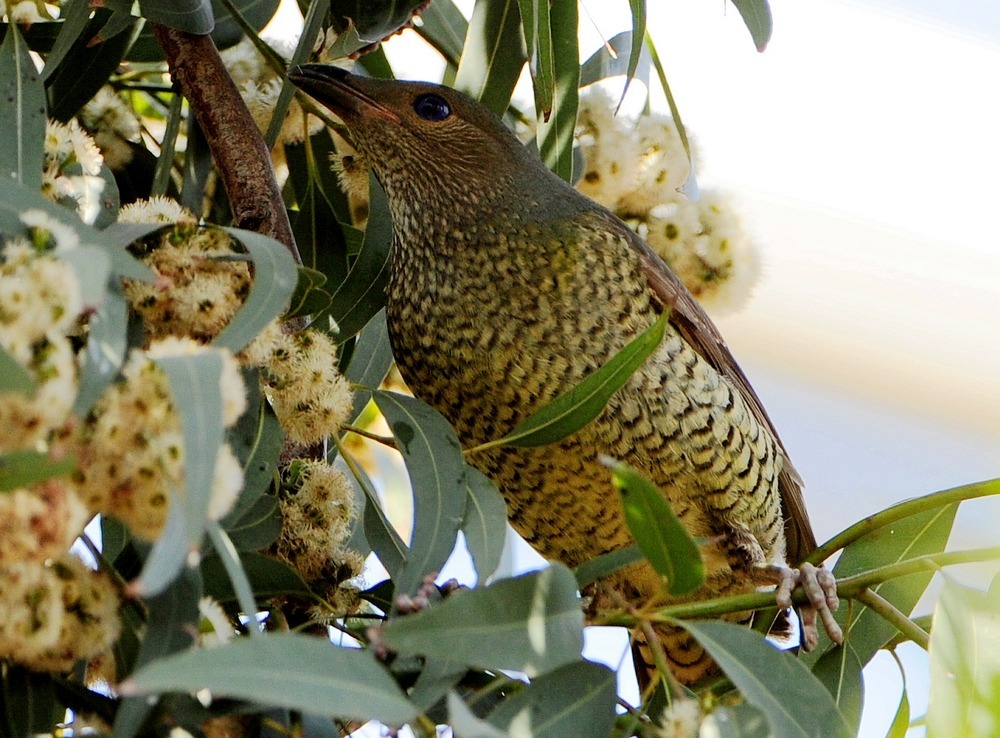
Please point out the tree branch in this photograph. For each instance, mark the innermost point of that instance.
(239, 151)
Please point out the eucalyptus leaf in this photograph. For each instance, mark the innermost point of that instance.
(556, 131)
(465, 723)
(607, 564)
(444, 27)
(74, 18)
(840, 672)
(314, 676)
(484, 523)
(14, 377)
(275, 275)
(256, 439)
(228, 31)
(370, 363)
(575, 408)
(610, 60)
(378, 531)
(190, 16)
(367, 23)
(104, 352)
(965, 663)
(900, 725)
(362, 294)
(92, 266)
(491, 61)
(638, 11)
(660, 535)
(22, 116)
(795, 703)
(575, 699)
(439, 675)
(256, 526)
(309, 297)
(924, 533)
(436, 469)
(27, 702)
(268, 577)
(24, 468)
(757, 16)
(536, 30)
(531, 623)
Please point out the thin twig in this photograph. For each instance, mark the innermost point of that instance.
(894, 616)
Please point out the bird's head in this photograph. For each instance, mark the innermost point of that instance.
(430, 146)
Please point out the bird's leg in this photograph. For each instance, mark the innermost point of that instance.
(821, 590)
(818, 584)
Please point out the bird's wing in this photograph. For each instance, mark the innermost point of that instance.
(690, 319)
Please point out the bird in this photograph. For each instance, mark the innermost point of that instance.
(506, 288)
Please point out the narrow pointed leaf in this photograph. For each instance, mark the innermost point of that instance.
(660, 535)
(465, 723)
(638, 10)
(924, 533)
(485, 523)
(362, 294)
(795, 703)
(556, 132)
(107, 342)
(901, 720)
(275, 275)
(27, 702)
(378, 531)
(438, 676)
(965, 663)
(314, 676)
(436, 468)
(24, 468)
(22, 112)
(572, 410)
(444, 27)
(74, 24)
(256, 439)
(257, 526)
(531, 623)
(603, 63)
(493, 54)
(537, 34)
(191, 16)
(607, 564)
(14, 377)
(757, 16)
(371, 361)
(840, 672)
(575, 699)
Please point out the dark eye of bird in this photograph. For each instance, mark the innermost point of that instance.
(432, 108)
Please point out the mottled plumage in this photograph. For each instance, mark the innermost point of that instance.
(507, 287)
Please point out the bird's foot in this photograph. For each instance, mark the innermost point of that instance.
(820, 588)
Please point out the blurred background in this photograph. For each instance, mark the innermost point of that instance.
(862, 150)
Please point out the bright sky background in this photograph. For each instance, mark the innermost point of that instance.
(863, 149)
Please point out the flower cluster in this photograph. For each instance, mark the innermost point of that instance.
(299, 371)
(56, 610)
(317, 507)
(202, 281)
(636, 169)
(133, 450)
(72, 168)
(114, 126)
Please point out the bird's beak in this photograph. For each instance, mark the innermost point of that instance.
(338, 90)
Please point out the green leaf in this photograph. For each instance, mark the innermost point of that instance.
(230, 558)
(377, 530)
(537, 35)
(14, 377)
(92, 266)
(901, 720)
(839, 670)
(228, 32)
(575, 699)
(190, 16)
(691, 184)
(171, 626)
(362, 294)
(22, 114)
(603, 63)
(444, 27)
(741, 720)
(572, 410)
(73, 22)
(757, 16)
(24, 468)
(367, 23)
(493, 54)
(104, 352)
(965, 663)
(660, 535)
(314, 676)
(309, 297)
(465, 723)
(275, 274)
(436, 469)
(318, 232)
(195, 393)
(556, 132)
(88, 64)
(256, 439)
(924, 533)
(607, 564)
(795, 702)
(370, 363)
(257, 526)
(531, 623)
(484, 523)
(27, 702)
(638, 10)
(438, 676)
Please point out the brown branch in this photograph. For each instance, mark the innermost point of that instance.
(238, 148)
